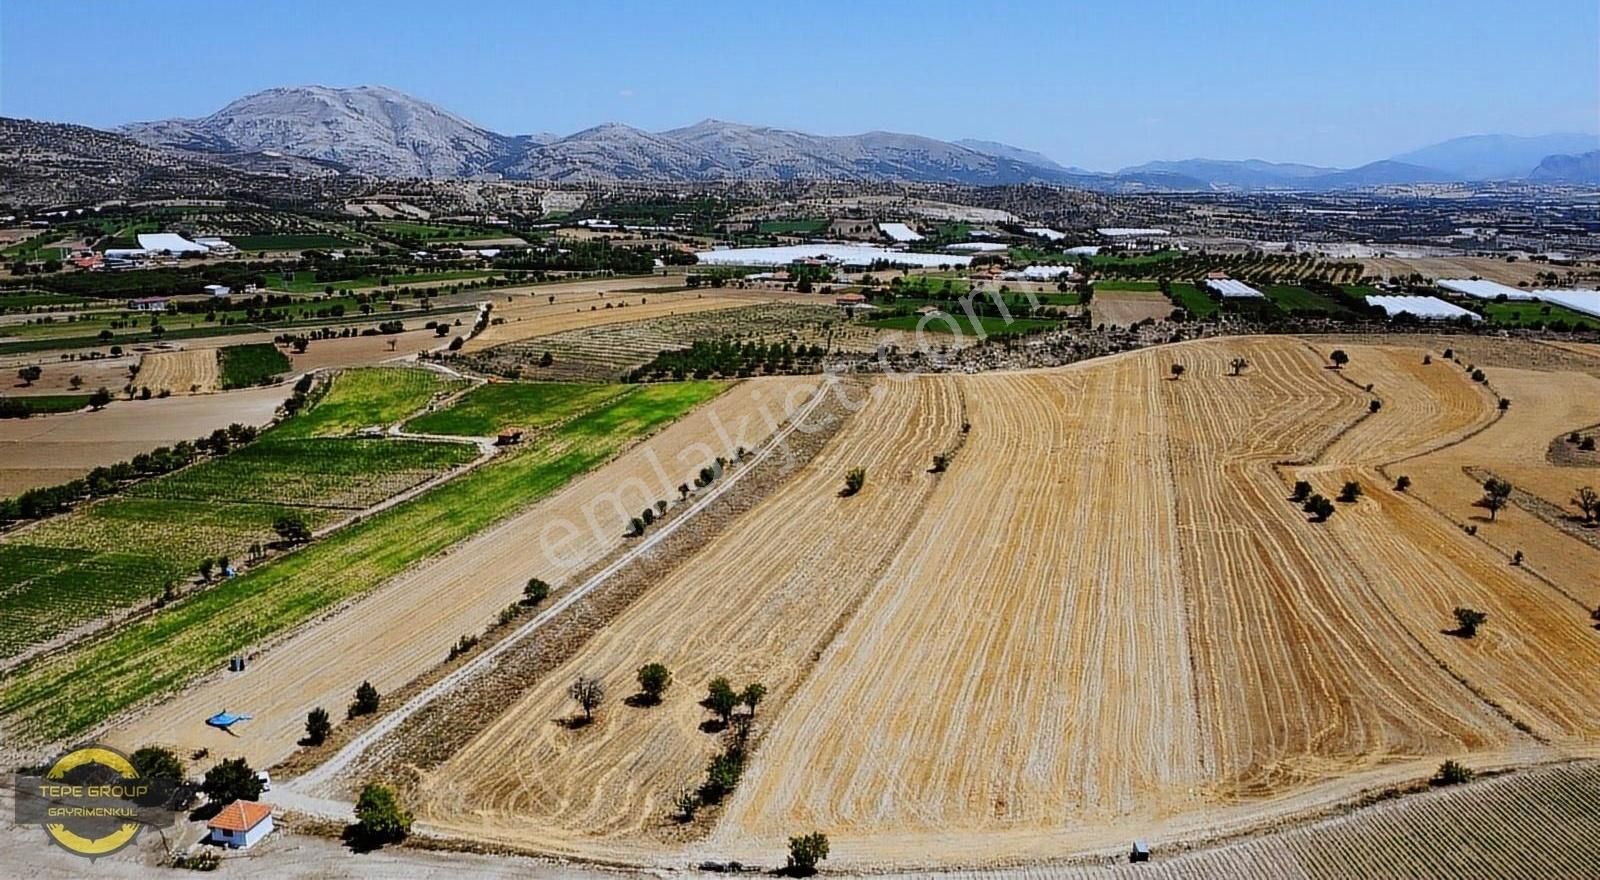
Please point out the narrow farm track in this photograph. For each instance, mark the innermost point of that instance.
(754, 605)
(385, 637)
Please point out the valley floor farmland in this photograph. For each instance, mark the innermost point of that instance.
(1106, 620)
(44, 451)
(384, 638)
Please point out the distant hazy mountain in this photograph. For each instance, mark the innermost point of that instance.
(381, 132)
(1015, 154)
(1583, 168)
(1246, 174)
(371, 130)
(1496, 156)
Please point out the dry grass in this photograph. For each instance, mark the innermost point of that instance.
(184, 371)
(1124, 308)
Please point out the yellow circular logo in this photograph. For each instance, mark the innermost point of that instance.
(91, 800)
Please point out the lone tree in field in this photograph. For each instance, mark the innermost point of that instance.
(1468, 621)
(1402, 484)
(1505, 404)
(1302, 491)
(721, 698)
(231, 780)
(941, 463)
(535, 592)
(1374, 405)
(654, 679)
(1176, 370)
(588, 693)
(752, 696)
(30, 374)
(292, 528)
(1451, 773)
(1496, 495)
(317, 726)
(805, 851)
(853, 481)
(1350, 492)
(1238, 365)
(1588, 501)
(1339, 358)
(380, 818)
(99, 399)
(1319, 507)
(366, 701)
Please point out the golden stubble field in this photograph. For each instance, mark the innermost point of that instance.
(1106, 620)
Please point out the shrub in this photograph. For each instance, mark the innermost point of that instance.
(654, 679)
(854, 480)
(1402, 484)
(1319, 507)
(1451, 773)
(721, 698)
(587, 692)
(805, 851)
(380, 818)
(1468, 621)
(1374, 406)
(1302, 491)
(317, 726)
(535, 592)
(1587, 445)
(1176, 370)
(366, 701)
(292, 528)
(1350, 492)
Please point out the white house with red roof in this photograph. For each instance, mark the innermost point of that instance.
(240, 824)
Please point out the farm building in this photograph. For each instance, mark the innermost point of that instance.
(240, 824)
(1228, 288)
(1478, 288)
(148, 304)
(900, 232)
(170, 242)
(1044, 232)
(850, 299)
(219, 290)
(1083, 250)
(978, 247)
(1430, 308)
(842, 254)
(1585, 301)
(216, 246)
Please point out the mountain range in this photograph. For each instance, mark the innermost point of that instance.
(380, 132)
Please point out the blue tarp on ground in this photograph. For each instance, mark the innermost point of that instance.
(225, 719)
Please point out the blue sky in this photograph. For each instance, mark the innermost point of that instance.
(1100, 85)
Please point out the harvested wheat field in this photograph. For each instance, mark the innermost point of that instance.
(186, 371)
(1105, 620)
(1124, 308)
(46, 450)
(385, 639)
(755, 605)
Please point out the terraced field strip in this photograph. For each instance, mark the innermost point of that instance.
(533, 317)
(383, 638)
(188, 371)
(370, 397)
(754, 605)
(498, 406)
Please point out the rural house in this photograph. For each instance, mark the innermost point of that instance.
(240, 824)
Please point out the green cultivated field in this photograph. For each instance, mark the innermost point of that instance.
(1525, 314)
(1193, 299)
(491, 408)
(992, 325)
(22, 406)
(123, 551)
(791, 227)
(67, 693)
(27, 299)
(246, 365)
(306, 282)
(1298, 299)
(437, 231)
(367, 397)
(1137, 286)
(286, 242)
